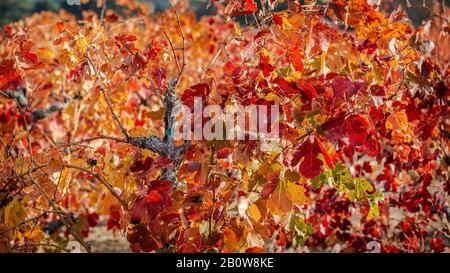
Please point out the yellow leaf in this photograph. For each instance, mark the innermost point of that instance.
(79, 162)
(237, 30)
(273, 97)
(253, 211)
(119, 93)
(64, 56)
(82, 44)
(373, 211)
(45, 54)
(107, 200)
(14, 213)
(397, 121)
(285, 21)
(21, 166)
(279, 202)
(296, 193)
(64, 180)
(35, 235)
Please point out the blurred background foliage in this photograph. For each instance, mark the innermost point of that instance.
(13, 10)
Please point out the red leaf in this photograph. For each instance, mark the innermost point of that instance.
(114, 217)
(152, 203)
(153, 196)
(287, 87)
(327, 158)
(8, 31)
(333, 128)
(311, 166)
(376, 115)
(278, 20)
(9, 77)
(262, 33)
(223, 153)
(307, 148)
(78, 72)
(139, 122)
(92, 219)
(378, 90)
(125, 38)
(295, 56)
(5, 117)
(199, 90)
(412, 111)
(343, 86)
(264, 65)
(141, 238)
(141, 167)
(250, 5)
(308, 92)
(139, 209)
(254, 250)
(232, 69)
(272, 182)
(29, 60)
(356, 127)
(281, 238)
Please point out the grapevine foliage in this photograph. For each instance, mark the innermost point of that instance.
(364, 128)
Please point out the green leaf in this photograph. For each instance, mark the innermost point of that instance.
(318, 181)
(373, 211)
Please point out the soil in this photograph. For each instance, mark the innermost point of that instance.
(103, 240)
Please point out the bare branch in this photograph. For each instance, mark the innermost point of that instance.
(172, 47)
(102, 13)
(18, 95)
(171, 103)
(155, 89)
(39, 114)
(183, 37)
(152, 143)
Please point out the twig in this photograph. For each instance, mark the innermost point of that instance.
(171, 46)
(63, 212)
(22, 223)
(39, 114)
(102, 180)
(211, 162)
(93, 139)
(116, 118)
(102, 13)
(155, 89)
(183, 37)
